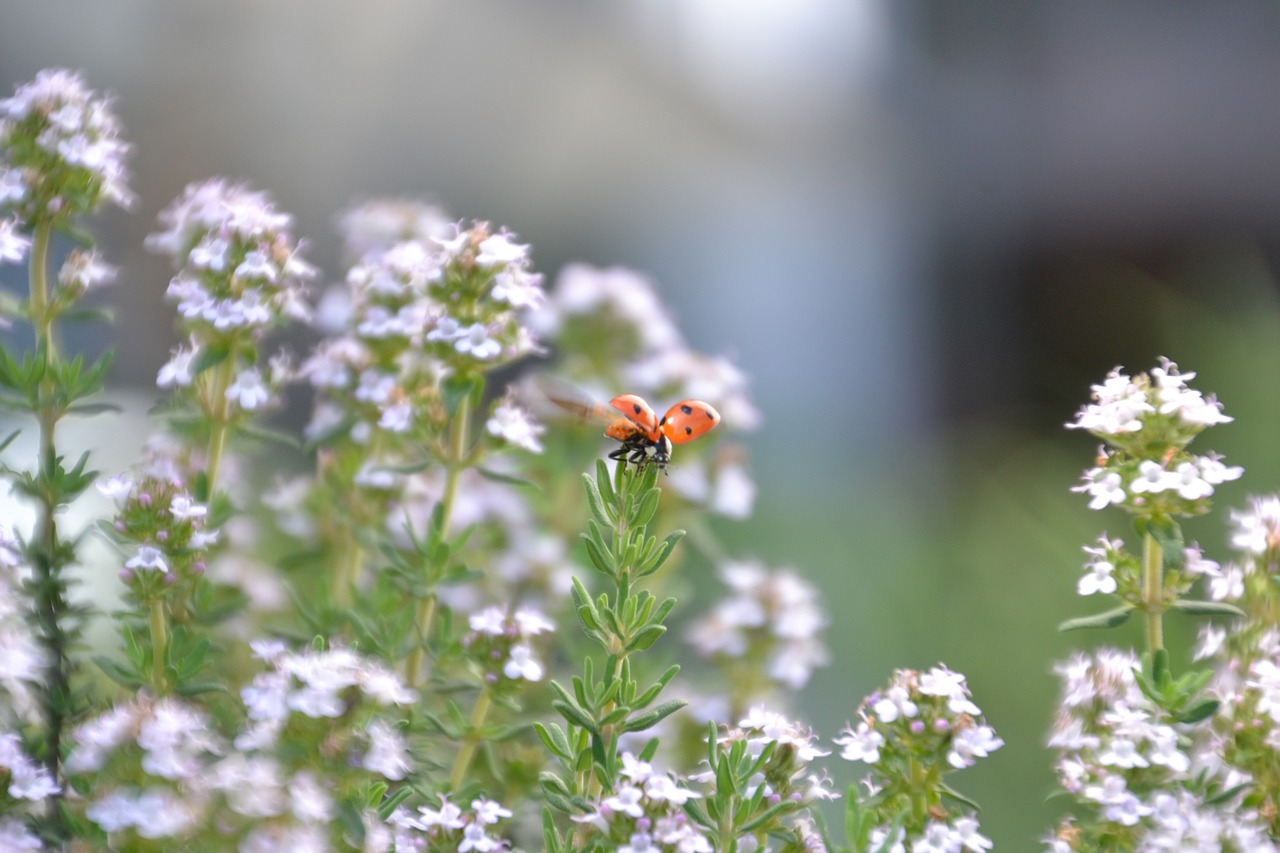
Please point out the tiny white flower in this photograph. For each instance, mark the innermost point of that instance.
(498, 249)
(148, 557)
(1153, 479)
(248, 391)
(523, 663)
(861, 745)
(489, 811)
(117, 488)
(183, 507)
(177, 370)
(1098, 578)
(475, 341)
(514, 425)
(14, 245)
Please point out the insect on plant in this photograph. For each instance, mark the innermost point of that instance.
(645, 438)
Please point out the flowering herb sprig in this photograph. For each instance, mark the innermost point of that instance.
(166, 536)
(1144, 467)
(602, 707)
(238, 276)
(911, 735)
(1149, 758)
(61, 157)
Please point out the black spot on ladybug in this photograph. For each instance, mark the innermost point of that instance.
(636, 407)
(688, 430)
(688, 410)
(710, 416)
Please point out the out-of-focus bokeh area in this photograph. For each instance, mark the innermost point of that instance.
(923, 227)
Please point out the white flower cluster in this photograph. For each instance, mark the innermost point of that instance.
(786, 774)
(1191, 480)
(62, 150)
(1257, 530)
(22, 660)
(238, 266)
(418, 311)
(920, 720)
(770, 617)
(81, 273)
(938, 837)
(27, 780)
(1123, 404)
(1118, 755)
(186, 776)
(514, 425)
(172, 743)
(644, 813)
(378, 224)
(314, 684)
(446, 828)
(921, 711)
(500, 641)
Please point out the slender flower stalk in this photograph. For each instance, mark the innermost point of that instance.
(463, 760)
(1153, 592)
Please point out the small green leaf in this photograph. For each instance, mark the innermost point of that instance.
(508, 479)
(553, 738)
(652, 718)
(664, 551)
(94, 409)
(1109, 619)
(210, 356)
(602, 560)
(1228, 795)
(118, 672)
(646, 638)
(455, 389)
(1200, 712)
(952, 794)
(196, 688)
(270, 436)
(576, 715)
(602, 512)
(550, 835)
(647, 508)
(1207, 608)
(604, 484)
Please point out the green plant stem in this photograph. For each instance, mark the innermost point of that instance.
(345, 577)
(41, 317)
(1153, 592)
(159, 642)
(219, 417)
(460, 764)
(427, 605)
(728, 838)
(50, 588)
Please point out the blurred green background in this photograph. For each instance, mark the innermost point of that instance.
(923, 227)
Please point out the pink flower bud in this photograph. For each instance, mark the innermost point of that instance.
(162, 536)
(126, 575)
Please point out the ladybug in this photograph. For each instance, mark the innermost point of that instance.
(645, 438)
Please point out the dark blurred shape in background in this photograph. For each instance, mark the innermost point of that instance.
(922, 226)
